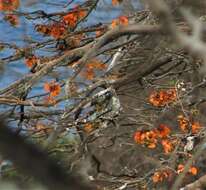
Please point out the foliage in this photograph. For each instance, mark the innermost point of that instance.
(117, 99)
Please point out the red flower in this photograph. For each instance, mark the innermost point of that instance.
(53, 88)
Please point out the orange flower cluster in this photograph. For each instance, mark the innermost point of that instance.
(31, 61)
(122, 20)
(167, 145)
(150, 138)
(91, 66)
(70, 19)
(193, 170)
(163, 131)
(9, 5)
(163, 97)
(73, 17)
(184, 125)
(196, 127)
(12, 19)
(53, 88)
(160, 176)
(59, 29)
(56, 30)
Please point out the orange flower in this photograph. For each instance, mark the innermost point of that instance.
(183, 123)
(115, 23)
(150, 135)
(167, 145)
(152, 145)
(73, 17)
(91, 66)
(96, 64)
(12, 19)
(139, 137)
(162, 97)
(57, 30)
(193, 170)
(180, 168)
(31, 61)
(53, 88)
(81, 13)
(122, 20)
(70, 19)
(155, 100)
(163, 131)
(9, 5)
(171, 95)
(159, 176)
(88, 74)
(196, 127)
(149, 138)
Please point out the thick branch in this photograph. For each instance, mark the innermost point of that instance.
(36, 163)
(199, 184)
